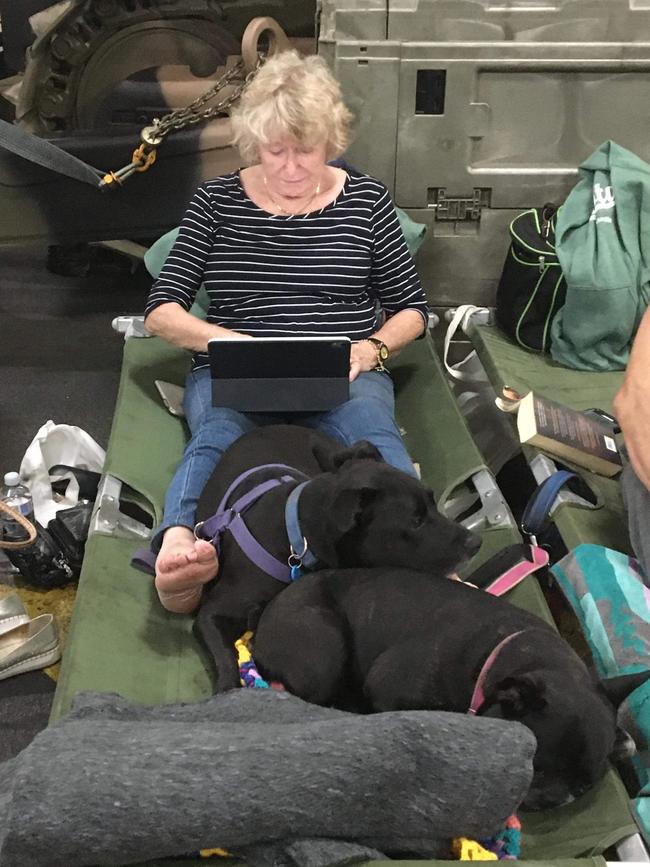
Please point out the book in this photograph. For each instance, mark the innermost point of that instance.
(568, 433)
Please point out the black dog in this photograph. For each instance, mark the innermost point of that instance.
(355, 511)
(390, 639)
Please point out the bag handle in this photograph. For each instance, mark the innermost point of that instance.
(24, 523)
(460, 319)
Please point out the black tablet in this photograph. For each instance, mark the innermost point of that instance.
(280, 374)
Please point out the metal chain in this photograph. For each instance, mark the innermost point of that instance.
(151, 136)
(181, 118)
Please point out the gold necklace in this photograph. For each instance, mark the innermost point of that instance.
(302, 210)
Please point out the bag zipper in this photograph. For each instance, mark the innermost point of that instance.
(548, 212)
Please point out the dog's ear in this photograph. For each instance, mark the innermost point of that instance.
(350, 505)
(330, 462)
(519, 695)
(345, 512)
(617, 689)
(624, 745)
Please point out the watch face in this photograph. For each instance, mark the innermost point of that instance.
(383, 352)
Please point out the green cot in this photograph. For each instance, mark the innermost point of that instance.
(121, 640)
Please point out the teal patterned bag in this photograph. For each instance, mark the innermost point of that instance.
(605, 589)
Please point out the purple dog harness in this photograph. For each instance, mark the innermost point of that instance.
(230, 518)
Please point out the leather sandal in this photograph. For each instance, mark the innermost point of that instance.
(31, 645)
(12, 612)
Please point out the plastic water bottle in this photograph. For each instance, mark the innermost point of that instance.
(15, 495)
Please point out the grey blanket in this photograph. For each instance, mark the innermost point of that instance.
(260, 773)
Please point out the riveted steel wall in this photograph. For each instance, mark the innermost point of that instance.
(473, 111)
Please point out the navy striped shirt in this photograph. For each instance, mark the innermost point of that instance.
(315, 274)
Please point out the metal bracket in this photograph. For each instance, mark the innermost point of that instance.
(542, 467)
(455, 208)
(632, 850)
(493, 512)
(130, 326)
(480, 316)
(108, 520)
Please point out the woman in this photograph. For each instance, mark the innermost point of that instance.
(289, 245)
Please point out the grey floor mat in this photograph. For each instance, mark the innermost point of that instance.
(59, 357)
(25, 703)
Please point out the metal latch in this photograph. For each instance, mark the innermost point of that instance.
(108, 519)
(455, 208)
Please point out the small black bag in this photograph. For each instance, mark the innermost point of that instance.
(532, 287)
(70, 530)
(43, 564)
(56, 556)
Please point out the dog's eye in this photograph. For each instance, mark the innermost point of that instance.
(418, 520)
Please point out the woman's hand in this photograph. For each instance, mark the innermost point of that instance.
(632, 411)
(632, 403)
(175, 325)
(363, 357)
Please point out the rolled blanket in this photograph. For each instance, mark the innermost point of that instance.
(115, 783)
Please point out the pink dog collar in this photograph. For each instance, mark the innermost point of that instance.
(518, 572)
(478, 696)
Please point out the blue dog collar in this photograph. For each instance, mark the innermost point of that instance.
(300, 556)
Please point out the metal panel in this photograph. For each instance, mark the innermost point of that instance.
(351, 19)
(518, 118)
(519, 20)
(461, 262)
(496, 104)
(369, 75)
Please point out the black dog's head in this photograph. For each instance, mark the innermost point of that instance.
(574, 722)
(365, 512)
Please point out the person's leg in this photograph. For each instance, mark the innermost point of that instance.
(637, 503)
(369, 414)
(184, 563)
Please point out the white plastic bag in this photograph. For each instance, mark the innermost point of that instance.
(58, 444)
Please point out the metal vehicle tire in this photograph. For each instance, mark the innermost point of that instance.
(97, 44)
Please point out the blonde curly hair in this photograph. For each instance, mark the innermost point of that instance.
(291, 96)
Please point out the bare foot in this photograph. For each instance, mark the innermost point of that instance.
(183, 566)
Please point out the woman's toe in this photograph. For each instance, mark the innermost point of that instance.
(205, 552)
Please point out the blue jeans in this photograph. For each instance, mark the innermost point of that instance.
(369, 414)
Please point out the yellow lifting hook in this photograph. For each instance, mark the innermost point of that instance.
(143, 158)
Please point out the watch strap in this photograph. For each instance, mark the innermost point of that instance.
(379, 345)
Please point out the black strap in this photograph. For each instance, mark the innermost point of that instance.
(88, 480)
(499, 563)
(45, 153)
(144, 560)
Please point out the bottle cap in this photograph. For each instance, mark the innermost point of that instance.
(12, 479)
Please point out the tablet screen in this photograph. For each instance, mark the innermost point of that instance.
(280, 358)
